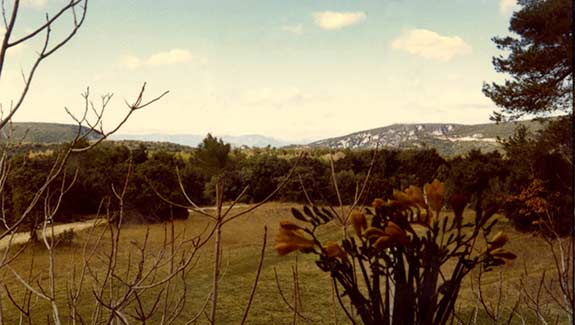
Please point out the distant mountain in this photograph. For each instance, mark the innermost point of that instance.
(54, 133)
(252, 140)
(46, 133)
(447, 138)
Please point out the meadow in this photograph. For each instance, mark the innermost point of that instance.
(310, 292)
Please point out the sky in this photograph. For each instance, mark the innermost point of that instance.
(289, 69)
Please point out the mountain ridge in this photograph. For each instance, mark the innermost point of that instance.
(448, 139)
(247, 140)
(45, 132)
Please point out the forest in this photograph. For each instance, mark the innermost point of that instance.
(528, 173)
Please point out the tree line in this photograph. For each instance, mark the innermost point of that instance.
(529, 182)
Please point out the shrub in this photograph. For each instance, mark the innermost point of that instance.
(65, 238)
(539, 187)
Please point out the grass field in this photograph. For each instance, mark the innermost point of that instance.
(242, 240)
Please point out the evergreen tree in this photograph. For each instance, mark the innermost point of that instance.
(540, 61)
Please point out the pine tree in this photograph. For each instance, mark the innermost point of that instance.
(539, 61)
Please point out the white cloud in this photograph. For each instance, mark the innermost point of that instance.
(294, 29)
(36, 4)
(174, 56)
(431, 45)
(171, 57)
(507, 6)
(335, 20)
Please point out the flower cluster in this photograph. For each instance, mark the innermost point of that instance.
(291, 238)
(406, 240)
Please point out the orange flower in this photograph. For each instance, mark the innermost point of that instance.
(416, 196)
(434, 194)
(372, 233)
(358, 222)
(333, 249)
(402, 198)
(392, 232)
(290, 238)
(383, 242)
(377, 203)
(396, 233)
(286, 248)
(410, 197)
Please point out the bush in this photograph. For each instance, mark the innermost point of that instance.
(539, 187)
(65, 238)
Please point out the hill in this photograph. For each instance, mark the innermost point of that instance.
(251, 140)
(56, 133)
(45, 133)
(448, 139)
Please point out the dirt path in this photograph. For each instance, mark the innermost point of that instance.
(224, 207)
(23, 237)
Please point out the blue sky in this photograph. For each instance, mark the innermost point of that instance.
(290, 69)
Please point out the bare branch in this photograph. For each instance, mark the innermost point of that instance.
(292, 308)
(259, 269)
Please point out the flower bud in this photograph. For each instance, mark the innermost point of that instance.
(498, 241)
(383, 242)
(358, 222)
(434, 194)
(333, 249)
(377, 203)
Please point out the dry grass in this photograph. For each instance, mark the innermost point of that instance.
(242, 243)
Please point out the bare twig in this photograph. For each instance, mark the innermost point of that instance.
(292, 308)
(259, 269)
